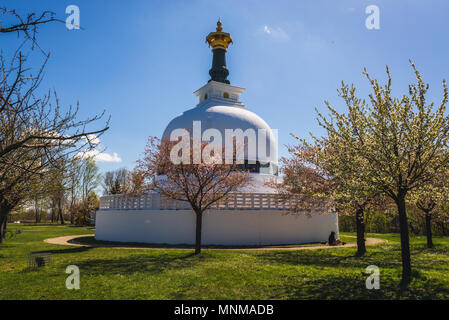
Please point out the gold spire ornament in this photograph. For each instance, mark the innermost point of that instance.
(219, 39)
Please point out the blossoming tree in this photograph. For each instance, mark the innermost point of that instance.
(200, 184)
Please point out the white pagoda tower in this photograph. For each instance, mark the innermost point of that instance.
(251, 217)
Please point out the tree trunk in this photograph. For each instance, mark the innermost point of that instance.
(5, 208)
(3, 219)
(360, 226)
(405, 241)
(72, 214)
(72, 204)
(199, 222)
(443, 228)
(36, 211)
(60, 211)
(429, 230)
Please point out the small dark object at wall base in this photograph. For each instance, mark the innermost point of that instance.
(332, 239)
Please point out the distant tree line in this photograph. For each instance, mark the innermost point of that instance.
(66, 194)
(123, 181)
(387, 221)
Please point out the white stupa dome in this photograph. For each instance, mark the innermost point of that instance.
(220, 109)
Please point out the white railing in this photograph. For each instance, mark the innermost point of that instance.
(154, 201)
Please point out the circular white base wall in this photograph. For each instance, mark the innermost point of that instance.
(220, 227)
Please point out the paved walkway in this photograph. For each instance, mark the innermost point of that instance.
(72, 241)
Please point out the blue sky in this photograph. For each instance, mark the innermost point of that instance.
(142, 60)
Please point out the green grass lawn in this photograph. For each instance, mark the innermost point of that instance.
(108, 273)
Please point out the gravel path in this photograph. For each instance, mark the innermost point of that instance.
(72, 241)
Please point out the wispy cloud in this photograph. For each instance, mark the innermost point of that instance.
(295, 33)
(276, 33)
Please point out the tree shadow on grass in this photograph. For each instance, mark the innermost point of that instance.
(138, 263)
(340, 287)
(382, 257)
(45, 252)
(341, 280)
(90, 240)
(63, 251)
(53, 252)
(335, 287)
(327, 259)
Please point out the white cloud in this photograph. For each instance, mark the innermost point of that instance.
(98, 156)
(276, 33)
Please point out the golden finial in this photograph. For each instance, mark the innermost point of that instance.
(219, 39)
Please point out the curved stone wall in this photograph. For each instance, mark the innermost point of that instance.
(220, 227)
